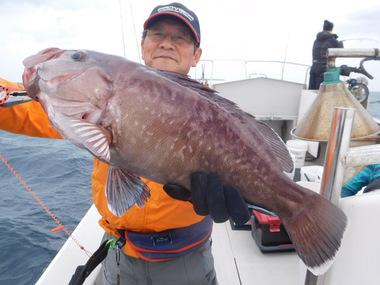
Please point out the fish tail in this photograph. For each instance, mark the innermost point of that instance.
(316, 231)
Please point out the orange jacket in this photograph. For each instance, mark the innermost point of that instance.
(160, 212)
(26, 119)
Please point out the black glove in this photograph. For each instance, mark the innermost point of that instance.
(210, 197)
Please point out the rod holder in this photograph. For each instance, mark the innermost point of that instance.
(332, 179)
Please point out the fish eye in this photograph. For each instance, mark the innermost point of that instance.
(77, 56)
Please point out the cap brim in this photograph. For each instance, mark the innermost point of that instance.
(177, 16)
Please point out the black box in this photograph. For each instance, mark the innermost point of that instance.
(269, 233)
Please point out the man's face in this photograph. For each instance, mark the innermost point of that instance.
(169, 46)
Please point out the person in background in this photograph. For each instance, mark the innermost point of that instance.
(369, 178)
(168, 239)
(325, 39)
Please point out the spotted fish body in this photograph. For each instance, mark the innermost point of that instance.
(163, 126)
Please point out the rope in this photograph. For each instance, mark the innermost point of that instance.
(47, 210)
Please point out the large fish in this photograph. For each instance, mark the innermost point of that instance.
(163, 126)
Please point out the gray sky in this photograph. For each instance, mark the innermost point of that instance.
(239, 30)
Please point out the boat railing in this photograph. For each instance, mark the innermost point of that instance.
(283, 65)
(212, 71)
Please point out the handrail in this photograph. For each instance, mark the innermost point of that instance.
(362, 155)
(281, 62)
(245, 62)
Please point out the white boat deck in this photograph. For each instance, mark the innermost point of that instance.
(238, 260)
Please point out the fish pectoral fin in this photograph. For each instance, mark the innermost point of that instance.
(123, 190)
(93, 138)
(86, 135)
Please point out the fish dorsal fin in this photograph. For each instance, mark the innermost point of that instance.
(201, 89)
(123, 190)
(277, 145)
(271, 137)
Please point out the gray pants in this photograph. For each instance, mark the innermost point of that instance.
(195, 268)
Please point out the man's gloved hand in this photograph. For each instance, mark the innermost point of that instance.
(210, 197)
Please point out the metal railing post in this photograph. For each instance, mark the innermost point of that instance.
(332, 179)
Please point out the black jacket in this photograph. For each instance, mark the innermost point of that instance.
(324, 40)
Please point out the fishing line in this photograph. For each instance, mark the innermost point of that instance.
(134, 28)
(361, 40)
(47, 210)
(122, 27)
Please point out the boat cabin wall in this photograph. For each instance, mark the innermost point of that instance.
(275, 102)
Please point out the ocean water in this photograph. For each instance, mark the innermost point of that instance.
(374, 104)
(60, 174)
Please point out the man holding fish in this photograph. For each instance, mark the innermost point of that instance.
(167, 241)
(170, 41)
(144, 124)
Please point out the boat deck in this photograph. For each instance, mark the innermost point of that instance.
(238, 260)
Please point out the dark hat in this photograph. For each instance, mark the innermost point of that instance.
(181, 12)
(328, 26)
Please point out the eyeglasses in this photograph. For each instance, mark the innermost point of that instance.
(179, 38)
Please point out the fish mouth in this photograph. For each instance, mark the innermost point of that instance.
(35, 79)
(30, 77)
(30, 80)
